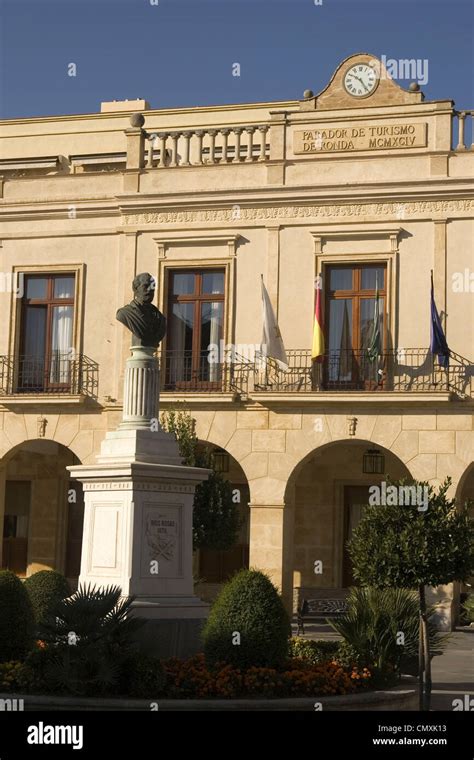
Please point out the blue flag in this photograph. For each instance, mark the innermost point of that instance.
(438, 344)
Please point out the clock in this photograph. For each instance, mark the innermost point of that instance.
(360, 80)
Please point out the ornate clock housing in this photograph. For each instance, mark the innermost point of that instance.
(360, 80)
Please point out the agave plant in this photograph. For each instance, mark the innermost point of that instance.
(381, 628)
(90, 634)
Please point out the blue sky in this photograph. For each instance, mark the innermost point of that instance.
(181, 52)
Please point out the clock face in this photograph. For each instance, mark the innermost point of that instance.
(360, 80)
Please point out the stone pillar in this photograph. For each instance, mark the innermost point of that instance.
(276, 164)
(263, 144)
(225, 139)
(271, 545)
(212, 145)
(237, 132)
(250, 131)
(141, 389)
(187, 138)
(174, 153)
(461, 144)
(163, 137)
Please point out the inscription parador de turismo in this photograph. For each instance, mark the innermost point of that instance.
(360, 137)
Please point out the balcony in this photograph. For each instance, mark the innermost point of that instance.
(61, 375)
(188, 372)
(396, 371)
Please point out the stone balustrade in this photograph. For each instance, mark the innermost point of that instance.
(198, 147)
(463, 118)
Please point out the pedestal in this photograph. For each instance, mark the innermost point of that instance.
(138, 520)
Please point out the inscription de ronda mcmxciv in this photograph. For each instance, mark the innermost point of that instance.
(360, 137)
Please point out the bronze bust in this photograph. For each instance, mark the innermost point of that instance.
(146, 323)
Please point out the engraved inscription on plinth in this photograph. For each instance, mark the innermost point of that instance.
(162, 540)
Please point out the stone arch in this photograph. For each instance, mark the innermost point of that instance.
(41, 508)
(213, 566)
(465, 485)
(325, 494)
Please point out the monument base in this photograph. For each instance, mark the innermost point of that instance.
(138, 502)
(173, 626)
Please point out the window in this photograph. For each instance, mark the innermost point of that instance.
(15, 525)
(350, 314)
(46, 333)
(195, 329)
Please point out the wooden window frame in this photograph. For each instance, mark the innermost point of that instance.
(356, 294)
(197, 298)
(50, 302)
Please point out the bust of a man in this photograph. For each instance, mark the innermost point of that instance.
(146, 323)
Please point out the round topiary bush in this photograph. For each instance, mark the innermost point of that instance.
(17, 622)
(248, 624)
(46, 588)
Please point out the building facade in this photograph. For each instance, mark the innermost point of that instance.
(361, 190)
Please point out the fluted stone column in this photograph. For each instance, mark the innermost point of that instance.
(141, 389)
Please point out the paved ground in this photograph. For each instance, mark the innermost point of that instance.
(452, 672)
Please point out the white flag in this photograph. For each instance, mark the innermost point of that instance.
(272, 343)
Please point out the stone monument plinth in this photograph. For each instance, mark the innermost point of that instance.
(138, 517)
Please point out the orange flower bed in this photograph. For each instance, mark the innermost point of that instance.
(191, 679)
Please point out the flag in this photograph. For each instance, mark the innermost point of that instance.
(373, 349)
(438, 344)
(345, 348)
(272, 343)
(318, 348)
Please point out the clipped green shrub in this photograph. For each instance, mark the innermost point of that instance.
(248, 624)
(314, 652)
(16, 618)
(46, 588)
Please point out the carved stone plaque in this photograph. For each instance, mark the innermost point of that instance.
(161, 541)
(359, 136)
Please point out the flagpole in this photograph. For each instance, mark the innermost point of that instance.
(265, 377)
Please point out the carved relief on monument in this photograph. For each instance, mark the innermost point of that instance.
(161, 540)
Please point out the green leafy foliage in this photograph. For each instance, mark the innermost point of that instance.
(143, 676)
(17, 622)
(402, 547)
(381, 629)
(248, 624)
(311, 651)
(45, 589)
(89, 638)
(216, 520)
(468, 609)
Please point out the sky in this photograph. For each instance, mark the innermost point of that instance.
(183, 52)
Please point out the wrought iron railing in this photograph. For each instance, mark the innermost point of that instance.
(61, 373)
(397, 370)
(205, 372)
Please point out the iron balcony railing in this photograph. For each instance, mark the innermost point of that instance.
(204, 372)
(61, 373)
(396, 370)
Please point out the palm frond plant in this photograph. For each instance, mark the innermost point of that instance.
(89, 636)
(381, 629)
